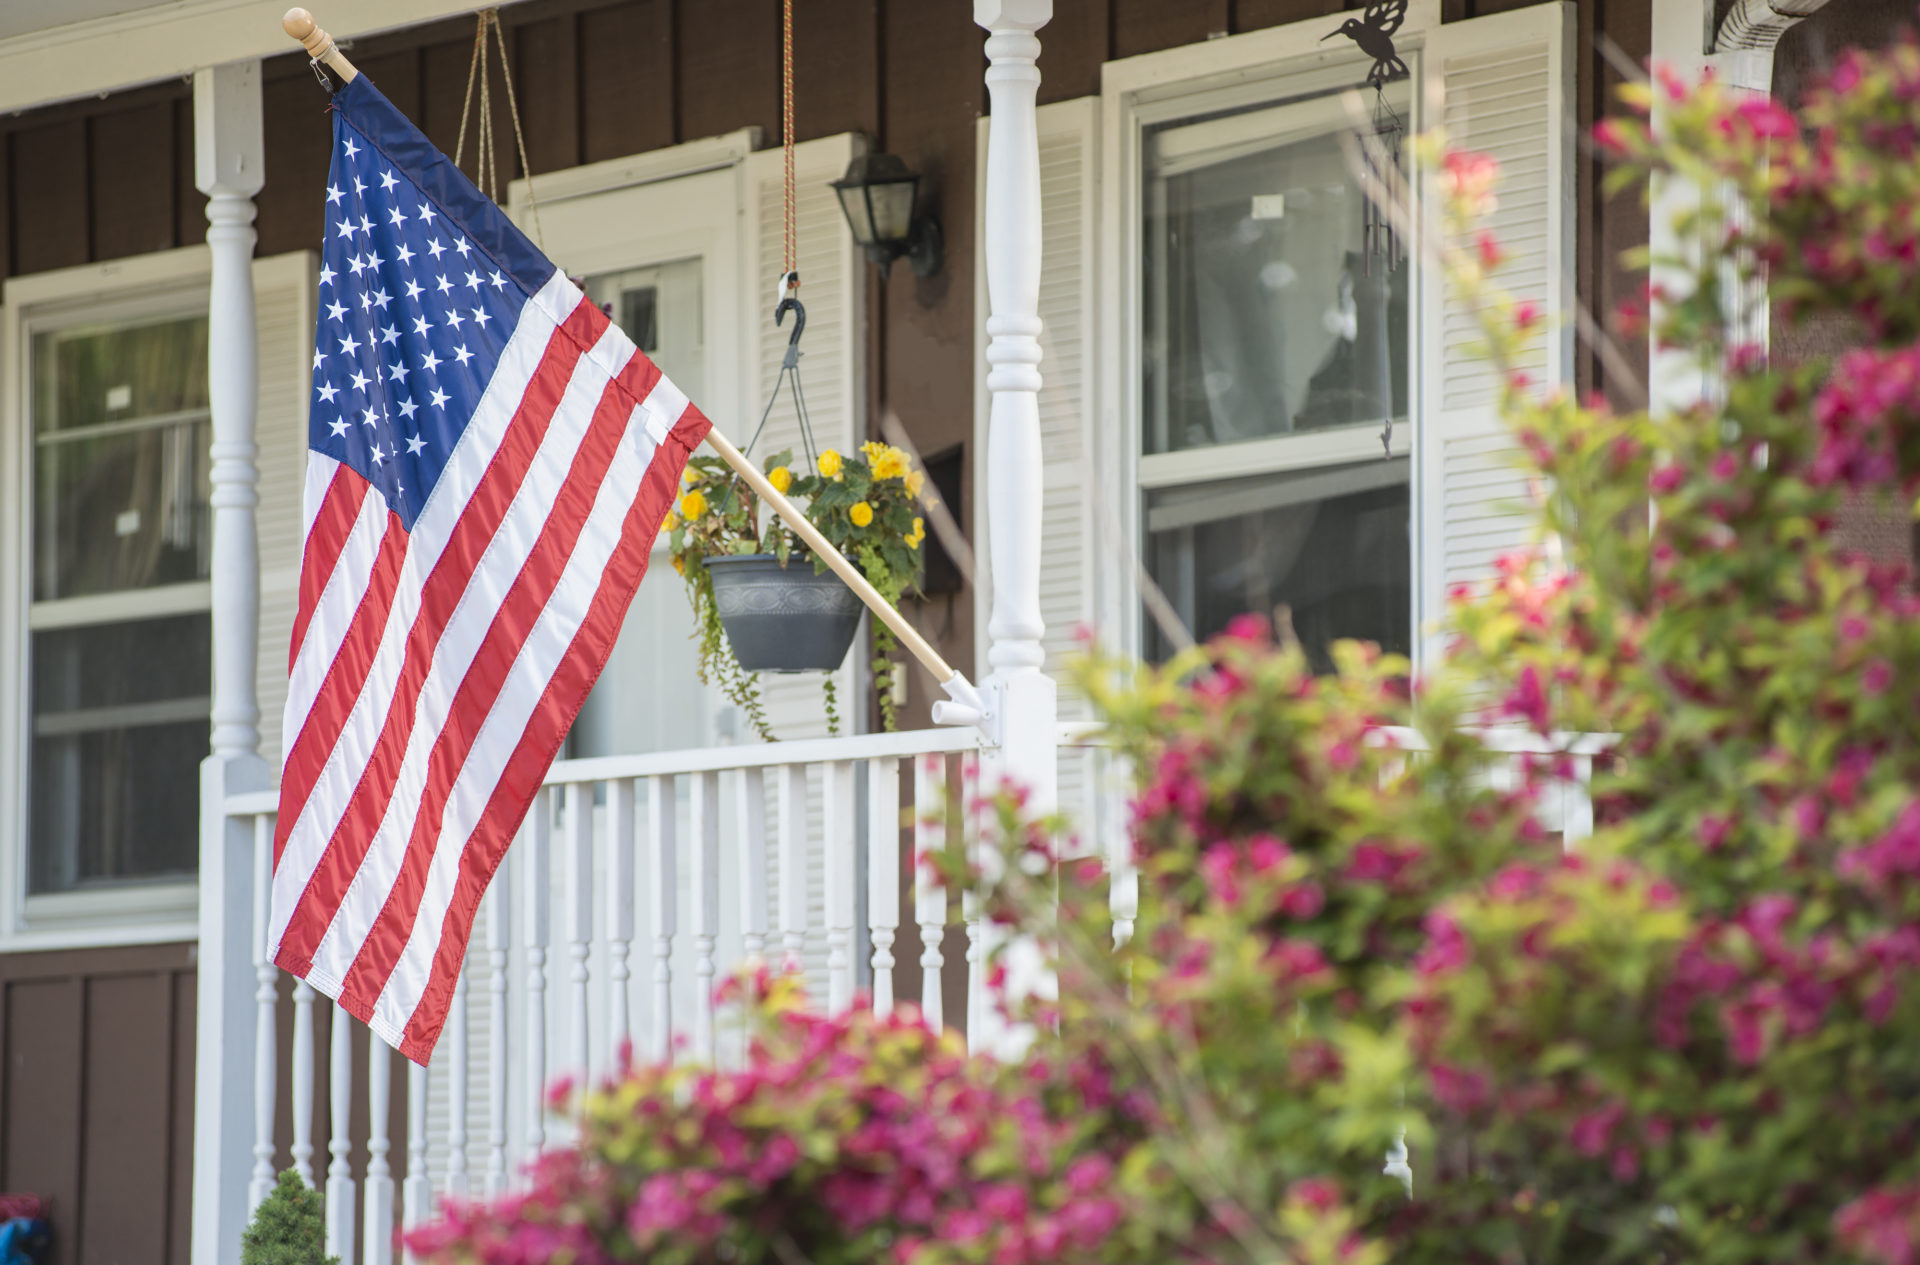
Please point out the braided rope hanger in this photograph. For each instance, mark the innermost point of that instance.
(486, 154)
(787, 292)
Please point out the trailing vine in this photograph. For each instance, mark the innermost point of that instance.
(716, 664)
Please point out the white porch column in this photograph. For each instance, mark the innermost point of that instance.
(228, 167)
(1020, 694)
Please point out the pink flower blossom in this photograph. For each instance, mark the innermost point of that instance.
(1486, 249)
(1467, 179)
(1316, 1193)
(1877, 678)
(1882, 1225)
(1528, 700)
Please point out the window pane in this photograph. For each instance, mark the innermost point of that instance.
(92, 376)
(121, 469)
(1264, 312)
(120, 717)
(660, 307)
(1330, 545)
(122, 511)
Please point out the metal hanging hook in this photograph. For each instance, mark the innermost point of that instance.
(789, 282)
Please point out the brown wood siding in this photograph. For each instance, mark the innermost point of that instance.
(96, 1100)
(96, 1097)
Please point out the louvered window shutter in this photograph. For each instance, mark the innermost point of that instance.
(1506, 87)
(283, 299)
(1069, 214)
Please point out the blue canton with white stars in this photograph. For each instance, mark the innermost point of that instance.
(413, 320)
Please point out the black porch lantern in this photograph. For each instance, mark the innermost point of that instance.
(878, 194)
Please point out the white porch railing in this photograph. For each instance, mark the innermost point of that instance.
(696, 863)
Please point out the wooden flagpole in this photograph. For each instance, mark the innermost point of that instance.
(967, 707)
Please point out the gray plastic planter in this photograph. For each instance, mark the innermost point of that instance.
(783, 619)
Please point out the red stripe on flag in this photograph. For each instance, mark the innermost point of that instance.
(565, 693)
(332, 524)
(441, 595)
(334, 701)
(519, 610)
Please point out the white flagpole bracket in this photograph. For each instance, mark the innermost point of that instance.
(966, 705)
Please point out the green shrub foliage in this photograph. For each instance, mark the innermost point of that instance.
(288, 1228)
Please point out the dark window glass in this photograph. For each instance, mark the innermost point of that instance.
(119, 728)
(639, 317)
(1330, 545)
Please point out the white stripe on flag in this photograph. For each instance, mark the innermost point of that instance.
(333, 611)
(319, 477)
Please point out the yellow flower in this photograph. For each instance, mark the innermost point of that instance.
(915, 481)
(861, 513)
(690, 477)
(693, 504)
(781, 478)
(872, 450)
(669, 522)
(830, 464)
(891, 464)
(680, 563)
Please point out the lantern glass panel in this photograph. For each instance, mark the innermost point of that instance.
(853, 201)
(892, 204)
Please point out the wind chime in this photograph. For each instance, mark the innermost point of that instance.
(1373, 33)
(1381, 243)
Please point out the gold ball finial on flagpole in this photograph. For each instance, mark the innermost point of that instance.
(299, 24)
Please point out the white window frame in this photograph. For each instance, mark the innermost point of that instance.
(166, 282)
(1137, 93)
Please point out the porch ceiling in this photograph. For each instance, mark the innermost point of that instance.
(22, 17)
(58, 50)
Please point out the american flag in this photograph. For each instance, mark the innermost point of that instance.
(490, 461)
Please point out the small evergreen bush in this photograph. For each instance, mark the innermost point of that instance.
(287, 1227)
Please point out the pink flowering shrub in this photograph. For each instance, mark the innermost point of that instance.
(840, 1140)
(1693, 1038)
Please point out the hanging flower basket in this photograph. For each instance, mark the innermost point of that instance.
(783, 619)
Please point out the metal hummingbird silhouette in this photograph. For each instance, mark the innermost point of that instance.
(1373, 32)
